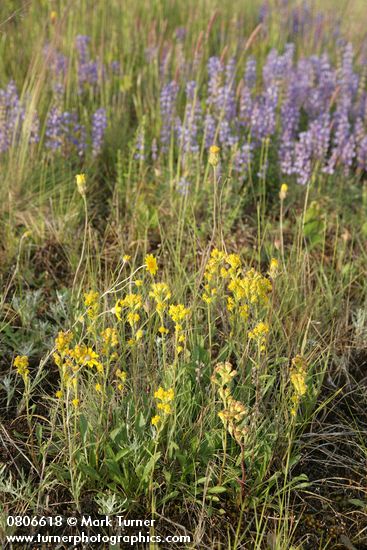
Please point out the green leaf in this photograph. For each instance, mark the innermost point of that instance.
(216, 490)
(89, 471)
(149, 467)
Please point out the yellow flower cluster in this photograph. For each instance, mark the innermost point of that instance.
(259, 333)
(91, 302)
(110, 338)
(164, 399)
(246, 292)
(21, 363)
(250, 288)
(298, 376)
(178, 313)
(70, 359)
(62, 341)
(160, 293)
(132, 303)
(234, 412)
(121, 379)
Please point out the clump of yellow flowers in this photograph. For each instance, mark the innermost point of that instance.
(70, 360)
(163, 402)
(246, 292)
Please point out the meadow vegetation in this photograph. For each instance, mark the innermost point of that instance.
(183, 318)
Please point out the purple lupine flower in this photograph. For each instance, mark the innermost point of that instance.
(246, 106)
(229, 97)
(154, 150)
(99, 125)
(168, 104)
(210, 127)
(215, 72)
(11, 116)
(226, 136)
(303, 158)
(320, 130)
(89, 71)
(263, 117)
(277, 67)
(79, 138)
(242, 159)
(187, 132)
(140, 145)
(183, 186)
(53, 131)
(82, 45)
(250, 73)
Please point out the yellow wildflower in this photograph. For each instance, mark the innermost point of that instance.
(98, 387)
(283, 191)
(234, 261)
(258, 333)
(161, 293)
(165, 407)
(273, 268)
(85, 355)
(155, 420)
(164, 395)
(110, 337)
(81, 183)
(163, 330)
(151, 264)
(132, 301)
(62, 341)
(116, 310)
(214, 151)
(91, 302)
(298, 375)
(126, 258)
(59, 394)
(75, 402)
(178, 312)
(298, 381)
(132, 318)
(21, 363)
